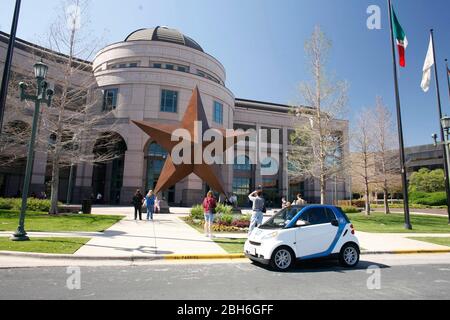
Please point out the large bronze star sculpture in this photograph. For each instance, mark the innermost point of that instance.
(171, 173)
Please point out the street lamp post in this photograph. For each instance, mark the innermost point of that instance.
(445, 121)
(43, 94)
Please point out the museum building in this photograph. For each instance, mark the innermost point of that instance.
(150, 76)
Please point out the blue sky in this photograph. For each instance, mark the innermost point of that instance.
(260, 43)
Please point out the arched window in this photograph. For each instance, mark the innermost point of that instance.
(107, 177)
(156, 157)
(155, 150)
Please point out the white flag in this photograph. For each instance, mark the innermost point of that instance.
(429, 62)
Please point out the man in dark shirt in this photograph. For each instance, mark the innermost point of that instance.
(138, 200)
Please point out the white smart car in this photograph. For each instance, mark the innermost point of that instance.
(300, 233)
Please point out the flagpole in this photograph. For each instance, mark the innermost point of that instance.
(8, 62)
(448, 76)
(400, 128)
(447, 189)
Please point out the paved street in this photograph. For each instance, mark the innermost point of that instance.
(402, 277)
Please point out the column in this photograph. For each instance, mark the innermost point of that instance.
(258, 177)
(39, 171)
(285, 174)
(132, 175)
(83, 183)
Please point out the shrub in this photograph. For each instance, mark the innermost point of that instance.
(32, 204)
(223, 209)
(426, 180)
(433, 199)
(359, 203)
(245, 217)
(350, 210)
(224, 219)
(416, 195)
(197, 212)
(39, 205)
(6, 204)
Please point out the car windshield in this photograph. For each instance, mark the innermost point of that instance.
(282, 218)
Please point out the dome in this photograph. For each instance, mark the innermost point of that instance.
(164, 34)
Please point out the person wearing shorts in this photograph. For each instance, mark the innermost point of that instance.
(209, 207)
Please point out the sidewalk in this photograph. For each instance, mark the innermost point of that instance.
(166, 235)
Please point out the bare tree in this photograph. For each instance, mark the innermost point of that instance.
(318, 144)
(388, 175)
(76, 119)
(16, 132)
(363, 164)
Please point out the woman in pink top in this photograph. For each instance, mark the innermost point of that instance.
(209, 208)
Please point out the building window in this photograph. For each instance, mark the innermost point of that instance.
(156, 150)
(133, 65)
(218, 112)
(169, 66)
(242, 163)
(269, 167)
(110, 99)
(169, 101)
(241, 188)
(271, 192)
(157, 65)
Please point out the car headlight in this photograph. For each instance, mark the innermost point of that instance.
(270, 235)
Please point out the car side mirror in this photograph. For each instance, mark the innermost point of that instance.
(302, 223)
(335, 223)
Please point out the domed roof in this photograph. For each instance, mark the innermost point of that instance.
(164, 34)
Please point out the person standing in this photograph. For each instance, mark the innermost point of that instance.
(99, 198)
(157, 205)
(300, 201)
(209, 208)
(150, 202)
(234, 200)
(138, 200)
(258, 208)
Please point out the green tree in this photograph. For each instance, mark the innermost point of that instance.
(427, 181)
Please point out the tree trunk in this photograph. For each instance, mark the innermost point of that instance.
(55, 186)
(386, 202)
(367, 194)
(322, 189)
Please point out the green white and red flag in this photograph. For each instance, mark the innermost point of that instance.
(400, 36)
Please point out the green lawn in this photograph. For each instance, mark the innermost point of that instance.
(231, 245)
(42, 222)
(440, 241)
(44, 245)
(394, 223)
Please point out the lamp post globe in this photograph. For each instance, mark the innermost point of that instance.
(40, 70)
(445, 122)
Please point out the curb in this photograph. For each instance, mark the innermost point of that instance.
(123, 258)
(182, 257)
(406, 251)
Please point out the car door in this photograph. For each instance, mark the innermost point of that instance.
(316, 238)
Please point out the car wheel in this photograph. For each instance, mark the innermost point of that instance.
(282, 259)
(349, 255)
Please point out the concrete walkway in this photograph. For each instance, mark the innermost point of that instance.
(166, 235)
(383, 242)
